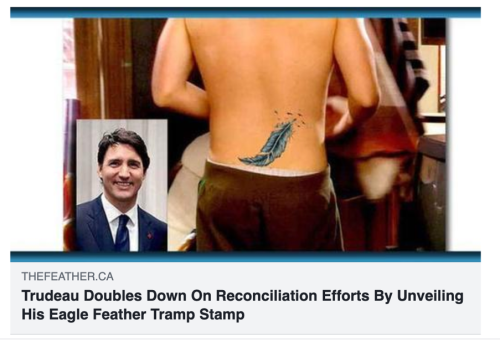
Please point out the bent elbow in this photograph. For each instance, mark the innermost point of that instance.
(369, 104)
(373, 104)
(371, 100)
(364, 107)
(162, 98)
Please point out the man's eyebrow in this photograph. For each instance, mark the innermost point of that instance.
(134, 161)
(114, 160)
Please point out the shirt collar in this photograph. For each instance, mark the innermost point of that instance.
(112, 213)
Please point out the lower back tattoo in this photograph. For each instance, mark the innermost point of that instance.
(275, 144)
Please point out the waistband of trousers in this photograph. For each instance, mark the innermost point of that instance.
(231, 178)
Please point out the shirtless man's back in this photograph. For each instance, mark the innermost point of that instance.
(263, 76)
(266, 86)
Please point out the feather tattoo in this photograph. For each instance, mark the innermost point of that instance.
(274, 147)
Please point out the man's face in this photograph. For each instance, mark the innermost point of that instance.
(122, 173)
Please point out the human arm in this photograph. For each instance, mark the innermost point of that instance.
(173, 64)
(354, 56)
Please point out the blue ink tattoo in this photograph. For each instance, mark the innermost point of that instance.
(274, 147)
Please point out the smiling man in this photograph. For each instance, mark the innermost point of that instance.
(113, 221)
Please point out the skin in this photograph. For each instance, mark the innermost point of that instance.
(262, 72)
(122, 174)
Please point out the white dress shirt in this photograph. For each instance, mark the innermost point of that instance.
(113, 215)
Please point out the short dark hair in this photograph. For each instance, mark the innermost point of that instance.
(122, 136)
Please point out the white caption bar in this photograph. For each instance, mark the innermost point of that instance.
(245, 298)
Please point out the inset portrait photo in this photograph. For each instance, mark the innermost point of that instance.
(121, 185)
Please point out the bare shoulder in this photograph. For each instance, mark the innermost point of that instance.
(267, 24)
(197, 24)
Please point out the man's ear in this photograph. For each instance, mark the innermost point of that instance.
(99, 168)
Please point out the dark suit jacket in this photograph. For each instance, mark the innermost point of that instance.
(93, 232)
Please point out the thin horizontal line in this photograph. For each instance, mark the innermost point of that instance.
(244, 12)
(245, 257)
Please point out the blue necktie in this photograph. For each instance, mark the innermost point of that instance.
(122, 242)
